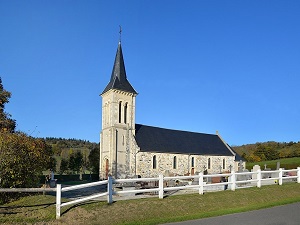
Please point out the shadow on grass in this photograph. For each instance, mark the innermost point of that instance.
(80, 204)
(170, 193)
(26, 206)
(8, 210)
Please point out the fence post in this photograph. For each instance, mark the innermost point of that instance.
(161, 186)
(201, 183)
(109, 190)
(298, 175)
(258, 178)
(232, 180)
(58, 200)
(280, 176)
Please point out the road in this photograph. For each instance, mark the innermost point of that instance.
(278, 215)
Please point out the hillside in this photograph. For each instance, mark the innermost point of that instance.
(271, 150)
(64, 148)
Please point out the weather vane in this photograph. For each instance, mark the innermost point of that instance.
(120, 32)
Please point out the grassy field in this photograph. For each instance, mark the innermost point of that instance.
(287, 163)
(41, 209)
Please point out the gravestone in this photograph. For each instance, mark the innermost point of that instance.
(255, 169)
(278, 165)
(244, 176)
(52, 180)
(267, 175)
(240, 169)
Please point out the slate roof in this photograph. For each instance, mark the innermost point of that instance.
(118, 78)
(161, 140)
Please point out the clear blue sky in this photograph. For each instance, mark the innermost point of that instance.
(231, 66)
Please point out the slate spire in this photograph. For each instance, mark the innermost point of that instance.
(118, 79)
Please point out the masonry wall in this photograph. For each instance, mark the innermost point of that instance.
(165, 164)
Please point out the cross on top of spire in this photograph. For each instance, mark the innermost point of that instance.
(120, 32)
(118, 78)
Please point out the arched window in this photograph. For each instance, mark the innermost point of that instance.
(174, 162)
(154, 162)
(224, 162)
(208, 163)
(125, 113)
(120, 112)
(193, 162)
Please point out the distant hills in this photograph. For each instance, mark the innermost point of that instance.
(63, 149)
(271, 150)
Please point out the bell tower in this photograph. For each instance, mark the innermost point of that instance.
(118, 121)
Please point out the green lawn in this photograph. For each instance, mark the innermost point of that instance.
(287, 163)
(41, 209)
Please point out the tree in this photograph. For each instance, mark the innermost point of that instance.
(6, 123)
(94, 157)
(76, 162)
(23, 158)
(71, 163)
(267, 151)
(52, 163)
(64, 165)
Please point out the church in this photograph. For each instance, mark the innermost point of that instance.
(130, 150)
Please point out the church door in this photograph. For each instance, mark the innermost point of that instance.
(106, 168)
(192, 171)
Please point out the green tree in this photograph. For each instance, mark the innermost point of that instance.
(94, 157)
(52, 163)
(6, 123)
(64, 165)
(76, 162)
(71, 163)
(85, 164)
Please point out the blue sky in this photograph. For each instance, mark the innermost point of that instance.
(231, 66)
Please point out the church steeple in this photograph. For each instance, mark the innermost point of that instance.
(118, 122)
(118, 79)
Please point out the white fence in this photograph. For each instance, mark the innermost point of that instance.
(196, 182)
(161, 185)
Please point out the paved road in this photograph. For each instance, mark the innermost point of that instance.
(279, 215)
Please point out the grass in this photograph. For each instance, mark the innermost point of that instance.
(29, 209)
(41, 209)
(287, 163)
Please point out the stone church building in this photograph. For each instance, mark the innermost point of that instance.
(128, 149)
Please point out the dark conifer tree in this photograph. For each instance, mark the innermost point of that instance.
(6, 123)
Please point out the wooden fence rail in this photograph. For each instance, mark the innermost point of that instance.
(27, 190)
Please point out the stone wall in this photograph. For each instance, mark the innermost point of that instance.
(164, 164)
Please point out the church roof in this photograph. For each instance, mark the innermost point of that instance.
(118, 78)
(161, 140)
